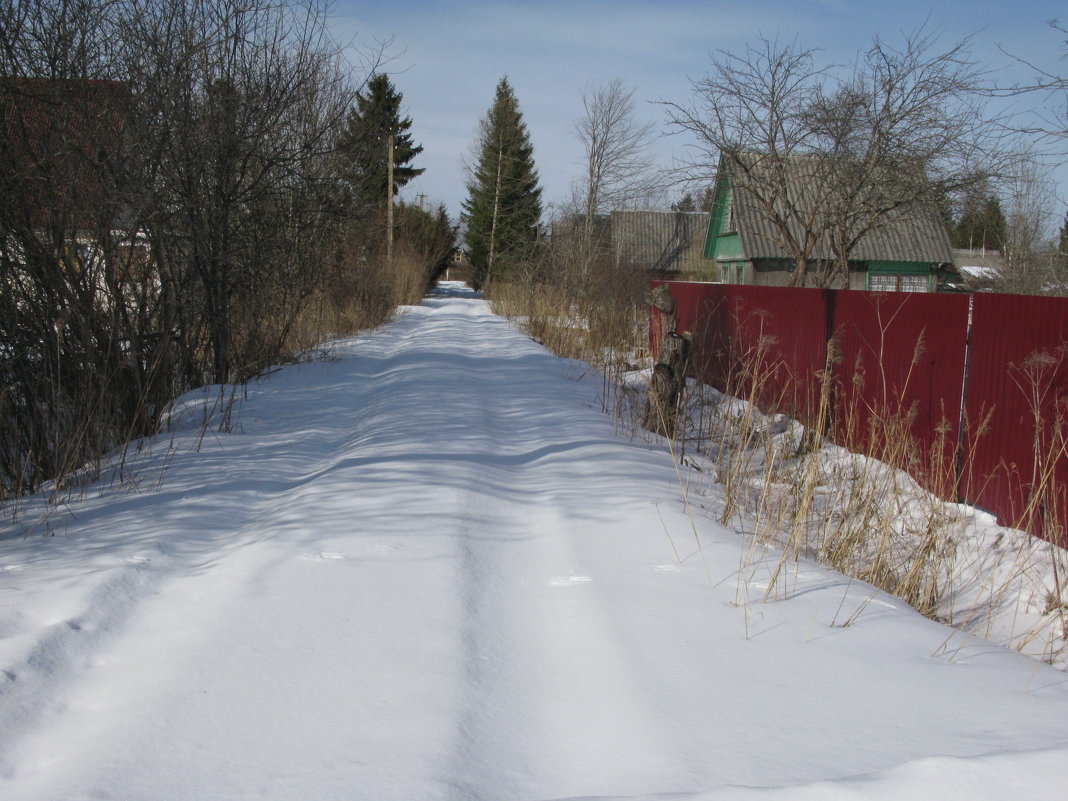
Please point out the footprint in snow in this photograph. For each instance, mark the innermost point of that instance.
(318, 556)
(564, 581)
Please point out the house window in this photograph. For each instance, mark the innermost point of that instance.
(913, 283)
(885, 282)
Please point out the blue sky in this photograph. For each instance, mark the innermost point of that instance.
(449, 56)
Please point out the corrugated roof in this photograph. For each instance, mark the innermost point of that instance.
(916, 235)
(668, 241)
(992, 259)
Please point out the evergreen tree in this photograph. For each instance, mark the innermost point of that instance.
(981, 225)
(685, 203)
(708, 196)
(363, 145)
(430, 236)
(995, 227)
(503, 206)
(1062, 239)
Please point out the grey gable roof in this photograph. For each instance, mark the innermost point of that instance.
(910, 235)
(661, 241)
(667, 241)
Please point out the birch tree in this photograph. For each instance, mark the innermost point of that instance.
(617, 149)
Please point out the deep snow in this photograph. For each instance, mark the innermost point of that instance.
(429, 567)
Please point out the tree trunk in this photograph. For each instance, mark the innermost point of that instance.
(669, 372)
(496, 212)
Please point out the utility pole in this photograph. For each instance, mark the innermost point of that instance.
(389, 201)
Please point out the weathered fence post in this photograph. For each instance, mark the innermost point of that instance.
(669, 372)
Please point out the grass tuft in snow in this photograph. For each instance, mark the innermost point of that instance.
(780, 481)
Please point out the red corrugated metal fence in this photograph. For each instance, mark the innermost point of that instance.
(900, 375)
(1016, 411)
(901, 364)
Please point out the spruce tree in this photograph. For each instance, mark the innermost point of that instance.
(996, 229)
(364, 150)
(685, 203)
(981, 225)
(503, 207)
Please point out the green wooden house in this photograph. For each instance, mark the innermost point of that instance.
(909, 252)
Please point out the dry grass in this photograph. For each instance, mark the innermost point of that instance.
(361, 297)
(601, 320)
(796, 496)
(869, 516)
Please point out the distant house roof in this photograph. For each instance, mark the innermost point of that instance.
(980, 261)
(913, 235)
(661, 241)
(665, 241)
(976, 272)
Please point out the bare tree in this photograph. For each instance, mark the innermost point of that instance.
(168, 203)
(619, 162)
(1031, 259)
(906, 129)
(750, 116)
(827, 159)
(1052, 121)
(68, 372)
(247, 99)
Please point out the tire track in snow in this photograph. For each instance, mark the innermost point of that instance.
(70, 646)
(542, 667)
(429, 571)
(536, 669)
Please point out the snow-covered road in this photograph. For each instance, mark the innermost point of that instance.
(430, 568)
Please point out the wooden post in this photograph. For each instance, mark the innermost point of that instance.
(669, 372)
(663, 301)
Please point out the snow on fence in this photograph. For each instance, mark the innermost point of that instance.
(975, 388)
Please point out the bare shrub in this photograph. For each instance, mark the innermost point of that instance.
(170, 211)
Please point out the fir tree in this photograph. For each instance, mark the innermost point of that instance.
(1062, 239)
(363, 145)
(430, 236)
(685, 203)
(708, 196)
(981, 225)
(996, 229)
(503, 206)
